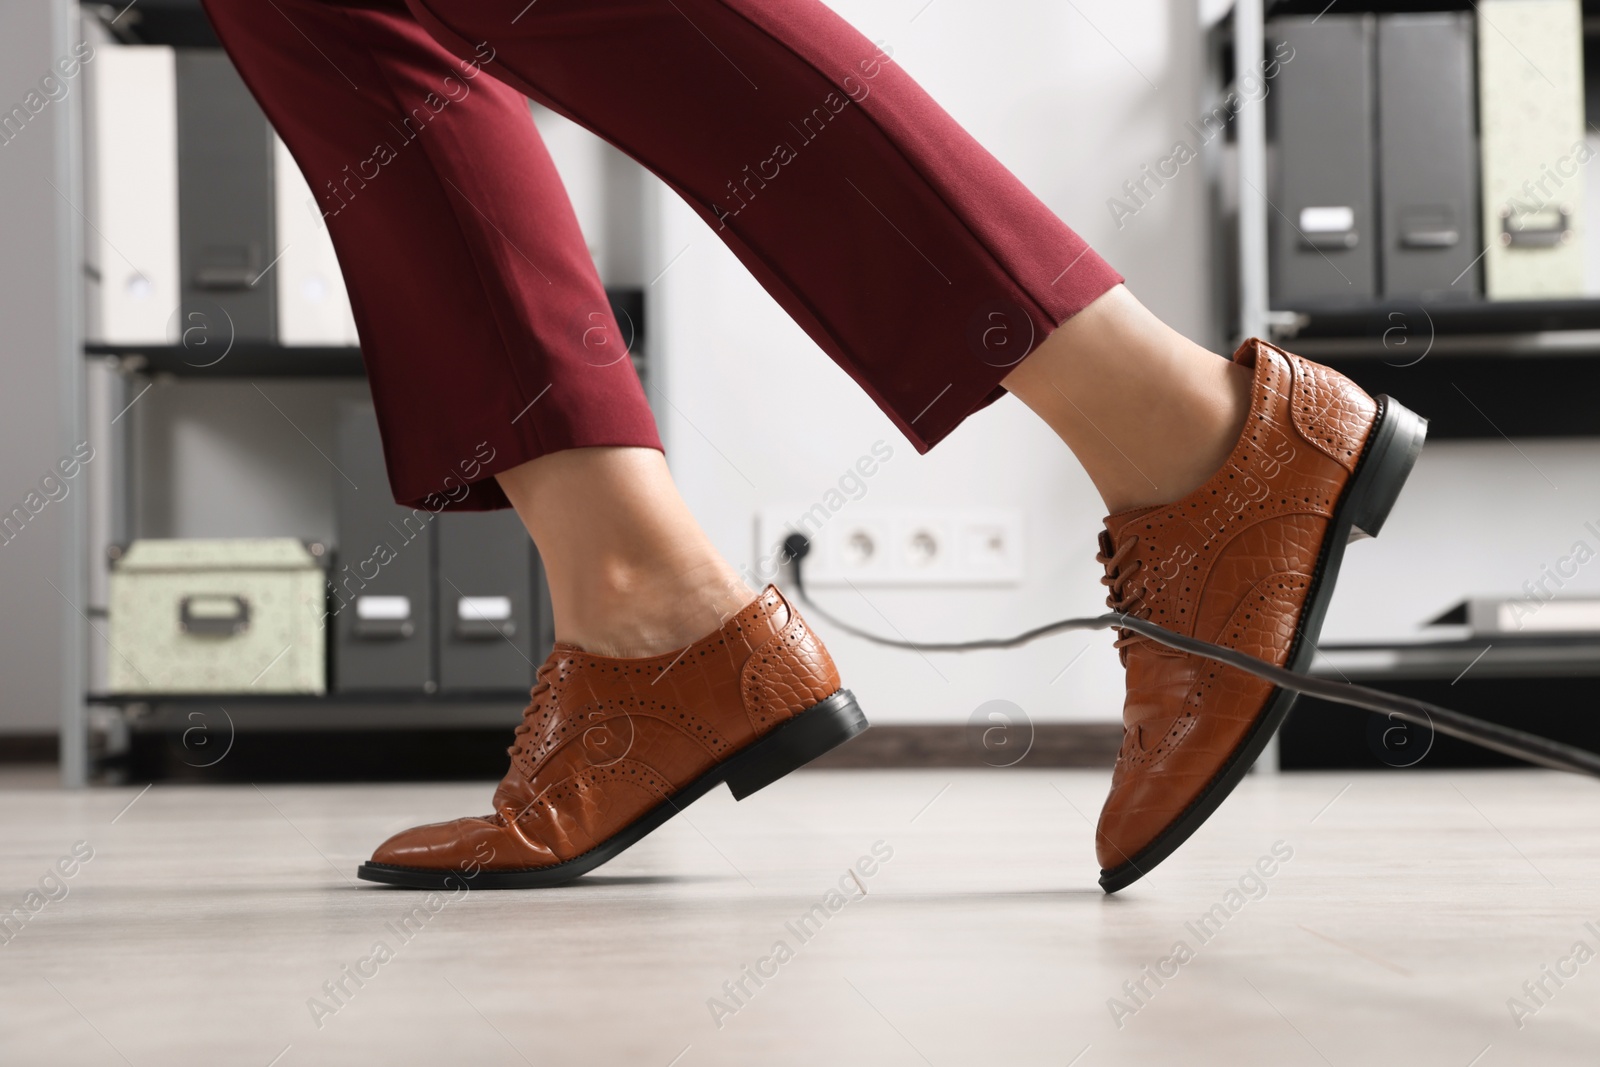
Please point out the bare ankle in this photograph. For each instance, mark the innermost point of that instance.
(1203, 438)
(631, 573)
(631, 611)
(1150, 414)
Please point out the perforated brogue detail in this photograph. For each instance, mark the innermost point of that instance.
(604, 740)
(591, 786)
(791, 671)
(1332, 419)
(601, 725)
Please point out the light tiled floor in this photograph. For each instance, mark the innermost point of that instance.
(1409, 910)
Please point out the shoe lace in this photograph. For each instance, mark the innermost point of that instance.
(1122, 595)
(541, 686)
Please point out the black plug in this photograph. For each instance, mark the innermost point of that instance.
(795, 548)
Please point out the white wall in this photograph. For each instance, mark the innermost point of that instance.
(239, 458)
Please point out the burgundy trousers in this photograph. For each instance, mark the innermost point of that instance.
(903, 248)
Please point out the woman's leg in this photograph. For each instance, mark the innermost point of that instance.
(493, 356)
(909, 254)
(1150, 414)
(484, 326)
(630, 571)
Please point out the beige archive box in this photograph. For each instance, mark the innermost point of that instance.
(1531, 118)
(217, 616)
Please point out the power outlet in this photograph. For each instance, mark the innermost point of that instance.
(895, 547)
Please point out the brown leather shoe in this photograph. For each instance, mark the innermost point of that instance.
(1247, 561)
(609, 749)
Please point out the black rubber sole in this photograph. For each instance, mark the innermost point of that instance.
(819, 729)
(1392, 449)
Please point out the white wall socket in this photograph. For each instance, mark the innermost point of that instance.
(898, 547)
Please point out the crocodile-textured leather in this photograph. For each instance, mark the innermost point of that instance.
(604, 740)
(1231, 563)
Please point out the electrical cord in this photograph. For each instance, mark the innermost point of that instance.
(1503, 739)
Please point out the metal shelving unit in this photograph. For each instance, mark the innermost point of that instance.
(249, 359)
(245, 360)
(1476, 369)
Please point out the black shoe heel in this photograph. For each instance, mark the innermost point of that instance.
(820, 728)
(1397, 441)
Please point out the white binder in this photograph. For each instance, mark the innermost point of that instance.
(1591, 192)
(313, 305)
(131, 143)
(1531, 118)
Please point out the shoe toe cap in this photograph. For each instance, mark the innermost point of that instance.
(1137, 812)
(1122, 834)
(456, 845)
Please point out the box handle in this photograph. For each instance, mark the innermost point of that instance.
(1431, 238)
(1556, 230)
(224, 279)
(1429, 226)
(1328, 228)
(484, 618)
(383, 618)
(228, 268)
(211, 615)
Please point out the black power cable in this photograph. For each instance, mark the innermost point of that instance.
(1517, 743)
